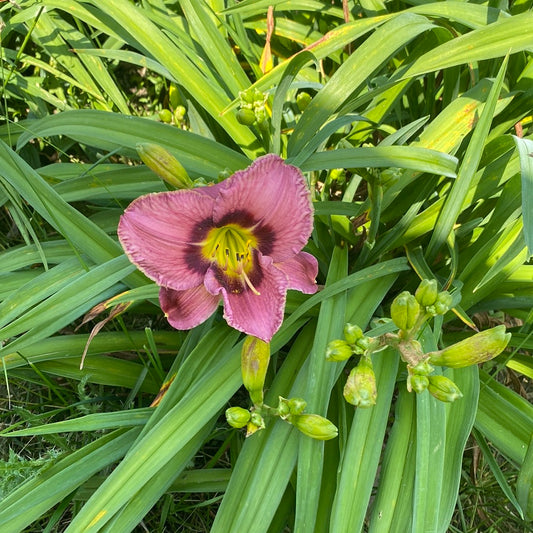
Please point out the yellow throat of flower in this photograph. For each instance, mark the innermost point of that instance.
(231, 248)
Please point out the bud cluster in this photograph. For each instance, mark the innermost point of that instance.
(176, 112)
(354, 343)
(255, 357)
(252, 107)
(409, 312)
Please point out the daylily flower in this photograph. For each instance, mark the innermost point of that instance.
(238, 241)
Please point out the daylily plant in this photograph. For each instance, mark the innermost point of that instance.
(239, 241)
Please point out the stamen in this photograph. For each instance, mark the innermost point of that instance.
(249, 283)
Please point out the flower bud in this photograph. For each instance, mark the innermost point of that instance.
(296, 406)
(338, 350)
(427, 292)
(315, 426)
(255, 424)
(174, 97)
(255, 357)
(444, 389)
(237, 417)
(442, 305)
(291, 406)
(179, 114)
(164, 165)
(245, 116)
(476, 349)
(404, 310)
(303, 99)
(352, 333)
(165, 115)
(417, 382)
(360, 388)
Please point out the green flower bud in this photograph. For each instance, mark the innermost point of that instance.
(476, 349)
(442, 305)
(255, 357)
(165, 115)
(256, 423)
(314, 426)
(179, 114)
(362, 345)
(237, 417)
(165, 165)
(427, 292)
(338, 350)
(417, 382)
(404, 310)
(352, 333)
(174, 97)
(296, 406)
(303, 99)
(245, 116)
(444, 389)
(284, 409)
(360, 388)
(246, 97)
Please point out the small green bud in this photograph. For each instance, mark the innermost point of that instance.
(444, 389)
(164, 164)
(179, 114)
(363, 344)
(404, 310)
(297, 406)
(246, 97)
(245, 116)
(314, 426)
(237, 417)
(255, 424)
(360, 388)
(255, 357)
(352, 333)
(417, 382)
(165, 115)
(442, 305)
(427, 292)
(283, 408)
(338, 350)
(303, 99)
(476, 349)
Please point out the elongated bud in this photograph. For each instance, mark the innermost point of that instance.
(174, 97)
(338, 350)
(255, 357)
(352, 333)
(360, 388)
(444, 389)
(179, 114)
(237, 417)
(404, 310)
(314, 426)
(476, 349)
(427, 292)
(255, 424)
(164, 165)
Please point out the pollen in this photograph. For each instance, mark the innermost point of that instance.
(231, 248)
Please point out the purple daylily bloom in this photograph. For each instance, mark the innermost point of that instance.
(238, 241)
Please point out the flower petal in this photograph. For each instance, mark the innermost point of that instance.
(301, 270)
(158, 232)
(274, 197)
(260, 314)
(189, 308)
